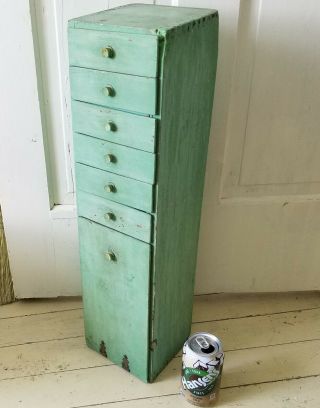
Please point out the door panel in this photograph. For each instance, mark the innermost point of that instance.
(117, 289)
(260, 225)
(273, 144)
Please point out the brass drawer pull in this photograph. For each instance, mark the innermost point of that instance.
(110, 256)
(107, 52)
(110, 158)
(109, 91)
(110, 126)
(110, 216)
(110, 188)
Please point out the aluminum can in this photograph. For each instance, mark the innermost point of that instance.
(202, 362)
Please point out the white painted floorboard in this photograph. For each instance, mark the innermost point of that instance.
(272, 344)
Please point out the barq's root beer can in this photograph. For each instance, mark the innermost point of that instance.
(202, 362)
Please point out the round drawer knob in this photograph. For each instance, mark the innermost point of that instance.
(110, 256)
(110, 216)
(110, 127)
(107, 52)
(109, 91)
(110, 188)
(110, 158)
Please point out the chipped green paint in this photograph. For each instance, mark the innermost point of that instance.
(187, 89)
(118, 91)
(117, 188)
(137, 224)
(116, 294)
(141, 19)
(131, 54)
(114, 158)
(131, 288)
(128, 129)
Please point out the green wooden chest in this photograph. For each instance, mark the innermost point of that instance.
(142, 83)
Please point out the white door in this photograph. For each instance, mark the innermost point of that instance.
(261, 214)
(260, 226)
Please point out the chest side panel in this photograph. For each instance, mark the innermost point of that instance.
(189, 68)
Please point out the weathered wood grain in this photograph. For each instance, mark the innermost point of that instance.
(187, 89)
(261, 329)
(111, 384)
(264, 363)
(41, 327)
(48, 357)
(248, 332)
(224, 306)
(242, 367)
(294, 393)
(39, 306)
(219, 306)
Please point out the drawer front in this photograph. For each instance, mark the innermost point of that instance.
(123, 190)
(127, 220)
(115, 280)
(114, 158)
(116, 52)
(115, 126)
(128, 92)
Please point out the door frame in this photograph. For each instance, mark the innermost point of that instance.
(38, 235)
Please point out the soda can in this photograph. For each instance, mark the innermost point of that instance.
(202, 362)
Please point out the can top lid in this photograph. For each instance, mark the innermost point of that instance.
(205, 344)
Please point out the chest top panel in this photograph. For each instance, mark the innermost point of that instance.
(141, 18)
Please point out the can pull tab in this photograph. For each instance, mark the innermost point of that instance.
(202, 342)
(205, 347)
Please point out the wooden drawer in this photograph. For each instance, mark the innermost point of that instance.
(117, 188)
(115, 281)
(128, 92)
(125, 219)
(114, 158)
(115, 126)
(116, 52)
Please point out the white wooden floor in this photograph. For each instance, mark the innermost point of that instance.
(272, 345)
